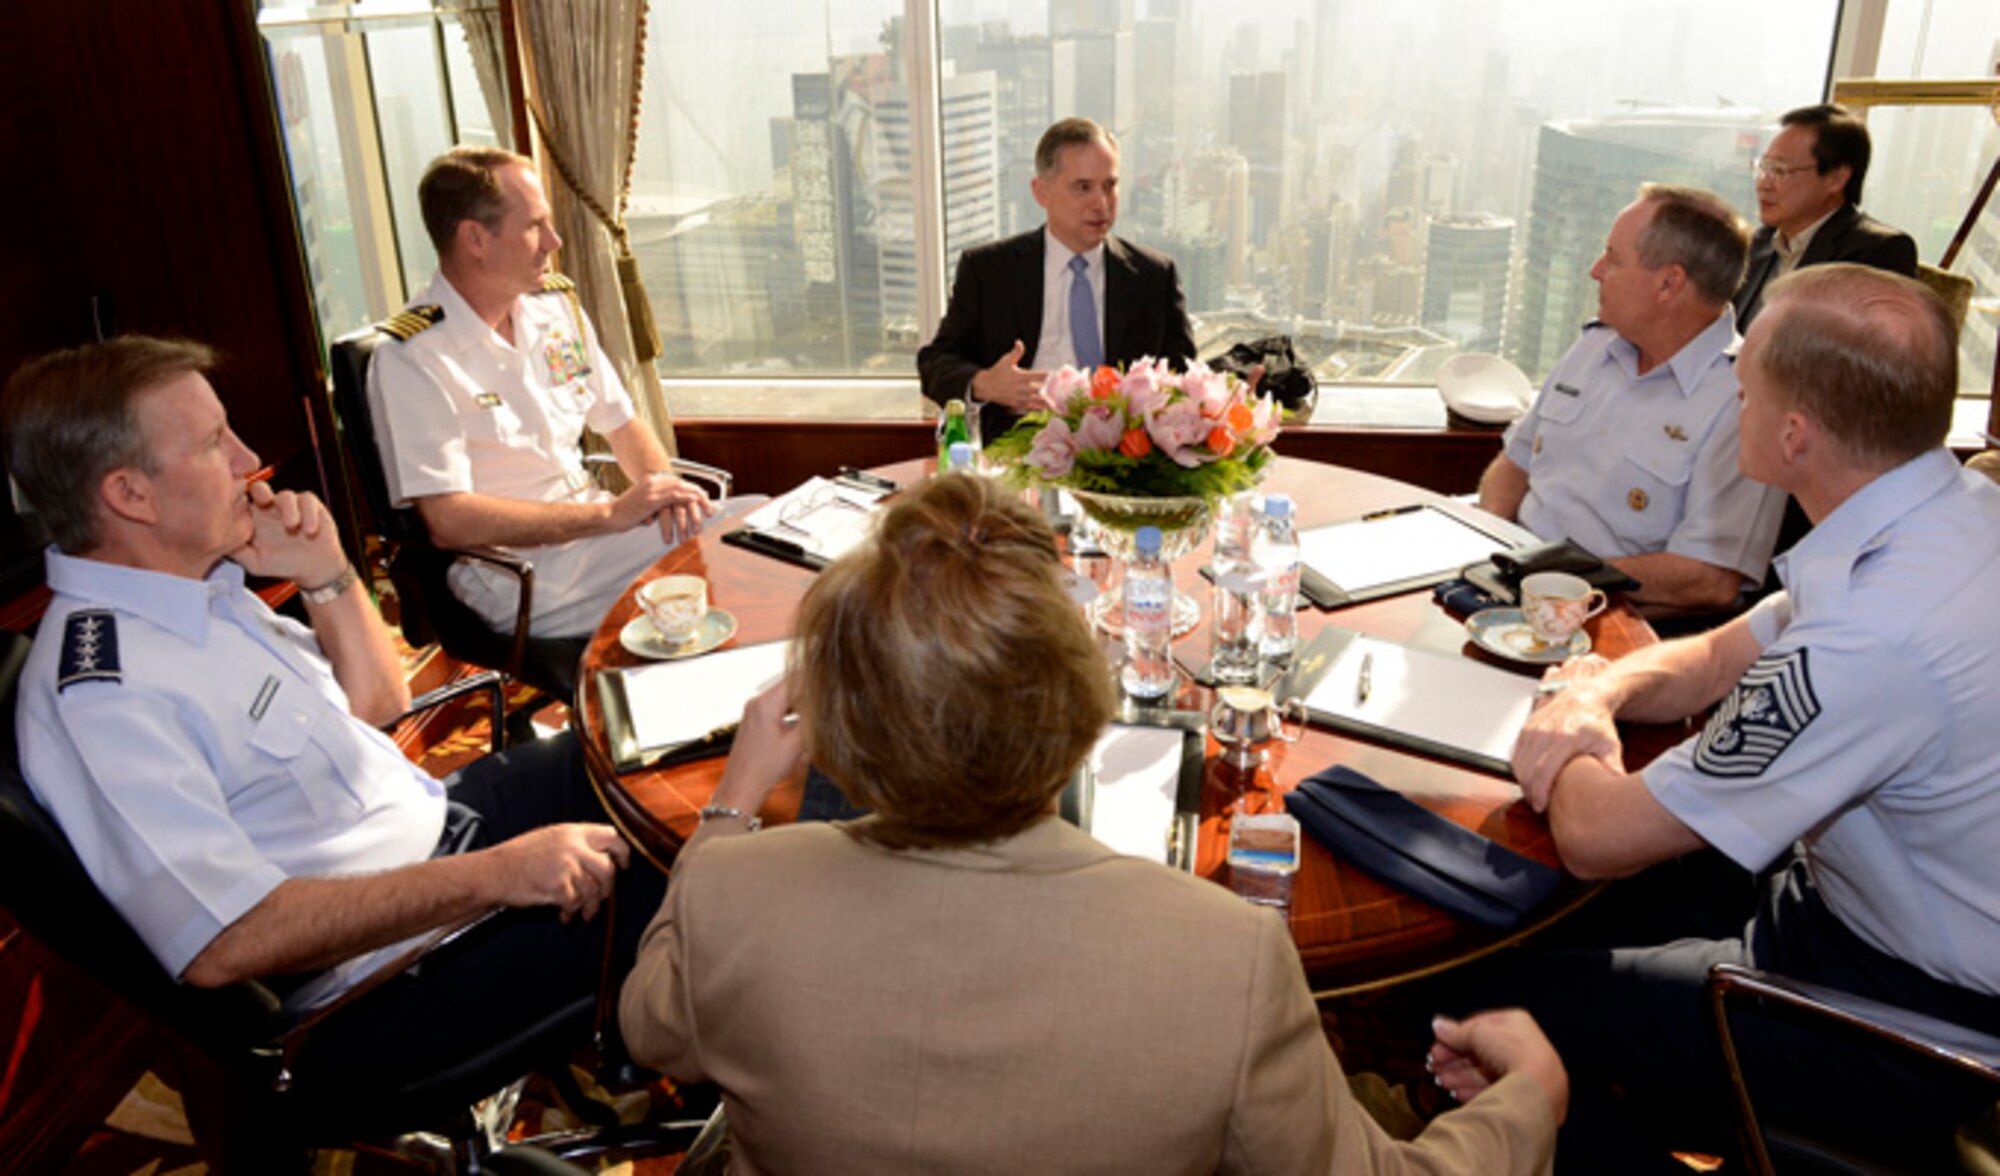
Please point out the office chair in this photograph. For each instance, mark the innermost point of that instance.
(1772, 1149)
(418, 566)
(258, 1051)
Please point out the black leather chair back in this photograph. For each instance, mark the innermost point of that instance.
(349, 358)
(48, 891)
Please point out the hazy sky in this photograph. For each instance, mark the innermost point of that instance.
(711, 102)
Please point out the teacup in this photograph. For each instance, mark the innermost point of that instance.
(1556, 604)
(675, 605)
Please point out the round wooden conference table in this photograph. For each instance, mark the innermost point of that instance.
(1353, 932)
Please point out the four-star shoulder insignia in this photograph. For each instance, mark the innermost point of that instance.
(90, 649)
(555, 283)
(412, 322)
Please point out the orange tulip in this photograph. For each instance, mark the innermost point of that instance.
(1240, 418)
(1220, 441)
(1135, 443)
(1104, 383)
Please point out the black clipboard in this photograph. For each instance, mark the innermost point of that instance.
(1329, 595)
(1311, 663)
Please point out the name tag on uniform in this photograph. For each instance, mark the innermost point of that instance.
(1567, 390)
(265, 693)
(488, 399)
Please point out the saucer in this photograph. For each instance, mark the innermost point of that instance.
(640, 638)
(1504, 631)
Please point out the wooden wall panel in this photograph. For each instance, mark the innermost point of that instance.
(149, 196)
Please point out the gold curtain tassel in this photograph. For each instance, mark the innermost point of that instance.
(638, 309)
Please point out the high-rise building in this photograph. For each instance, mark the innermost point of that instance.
(1022, 87)
(1092, 75)
(1466, 261)
(970, 141)
(1585, 172)
(1257, 130)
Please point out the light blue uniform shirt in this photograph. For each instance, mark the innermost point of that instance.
(197, 751)
(1870, 725)
(1626, 464)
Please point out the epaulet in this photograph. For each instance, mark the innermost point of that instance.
(555, 283)
(1593, 325)
(411, 322)
(89, 649)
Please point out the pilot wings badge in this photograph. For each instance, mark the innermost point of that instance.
(1760, 718)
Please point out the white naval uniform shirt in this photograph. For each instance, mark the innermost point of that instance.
(459, 409)
(197, 751)
(1626, 464)
(1866, 729)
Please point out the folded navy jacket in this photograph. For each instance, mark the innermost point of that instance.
(1403, 844)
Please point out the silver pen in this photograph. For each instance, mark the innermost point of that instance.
(1362, 684)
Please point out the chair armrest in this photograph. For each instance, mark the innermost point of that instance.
(523, 570)
(721, 479)
(491, 681)
(1946, 1041)
(305, 1020)
(700, 471)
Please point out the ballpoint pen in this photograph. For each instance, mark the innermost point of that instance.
(1391, 512)
(1362, 684)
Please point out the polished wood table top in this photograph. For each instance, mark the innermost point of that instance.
(1352, 931)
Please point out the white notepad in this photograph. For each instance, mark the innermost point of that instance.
(1439, 702)
(1137, 777)
(1394, 547)
(676, 701)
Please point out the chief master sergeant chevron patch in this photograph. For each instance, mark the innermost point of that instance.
(1760, 718)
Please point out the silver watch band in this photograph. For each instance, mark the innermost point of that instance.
(330, 591)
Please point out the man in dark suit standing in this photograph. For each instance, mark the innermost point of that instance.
(1067, 293)
(1808, 193)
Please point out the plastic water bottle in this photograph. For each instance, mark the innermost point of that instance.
(1235, 611)
(1149, 620)
(960, 459)
(1275, 551)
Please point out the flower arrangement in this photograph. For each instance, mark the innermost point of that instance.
(1145, 432)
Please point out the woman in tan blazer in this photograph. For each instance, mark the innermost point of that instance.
(962, 982)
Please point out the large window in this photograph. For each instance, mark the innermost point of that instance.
(1390, 184)
(1929, 161)
(368, 94)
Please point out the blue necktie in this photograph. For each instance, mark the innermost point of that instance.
(1083, 316)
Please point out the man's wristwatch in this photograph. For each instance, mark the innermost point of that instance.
(750, 821)
(330, 591)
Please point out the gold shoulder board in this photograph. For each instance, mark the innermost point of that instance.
(555, 283)
(412, 322)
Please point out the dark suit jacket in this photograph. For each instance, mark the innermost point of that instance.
(1848, 235)
(997, 298)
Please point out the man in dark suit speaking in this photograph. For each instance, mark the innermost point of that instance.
(1067, 293)
(1808, 189)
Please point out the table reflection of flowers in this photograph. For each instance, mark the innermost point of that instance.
(1145, 446)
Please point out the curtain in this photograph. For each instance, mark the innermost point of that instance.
(585, 58)
(489, 62)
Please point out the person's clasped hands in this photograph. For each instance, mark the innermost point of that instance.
(1573, 717)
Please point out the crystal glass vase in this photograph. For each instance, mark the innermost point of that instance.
(1115, 519)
